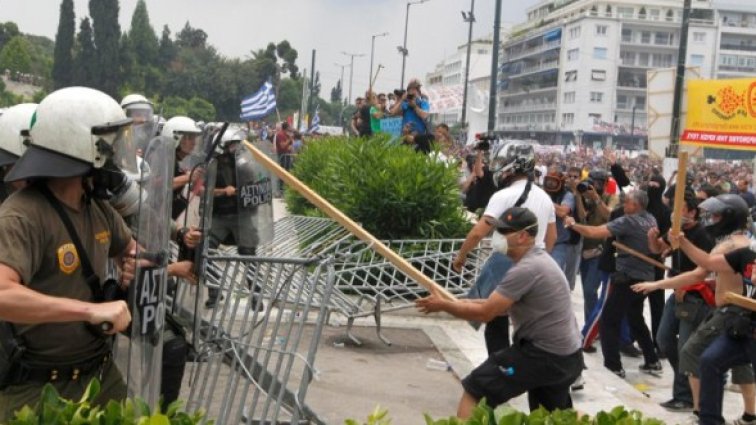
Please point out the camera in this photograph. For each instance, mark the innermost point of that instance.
(410, 97)
(484, 141)
(585, 185)
(399, 92)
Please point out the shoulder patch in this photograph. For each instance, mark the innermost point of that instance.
(103, 237)
(68, 258)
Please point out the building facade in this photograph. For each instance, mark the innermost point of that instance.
(576, 70)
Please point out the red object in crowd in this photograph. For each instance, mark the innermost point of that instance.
(611, 187)
(705, 290)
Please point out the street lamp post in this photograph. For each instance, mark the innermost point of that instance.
(372, 54)
(403, 49)
(351, 69)
(470, 18)
(341, 80)
(632, 127)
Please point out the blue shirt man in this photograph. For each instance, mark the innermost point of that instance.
(413, 108)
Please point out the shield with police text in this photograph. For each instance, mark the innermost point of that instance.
(147, 291)
(254, 195)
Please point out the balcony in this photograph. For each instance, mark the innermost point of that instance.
(529, 107)
(738, 47)
(535, 69)
(529, 91)
(513, 56)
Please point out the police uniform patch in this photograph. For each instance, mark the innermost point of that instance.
(103, 237)
(68, 258)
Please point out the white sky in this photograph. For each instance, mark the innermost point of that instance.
(236, 27)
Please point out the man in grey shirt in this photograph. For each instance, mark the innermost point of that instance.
(630, 229)
(545, 358)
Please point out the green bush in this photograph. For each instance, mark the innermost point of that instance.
(393, 192)
(506, 415)
(53, 409)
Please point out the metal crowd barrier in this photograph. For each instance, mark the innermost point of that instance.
(255, 352)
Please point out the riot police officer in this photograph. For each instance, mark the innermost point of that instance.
(48, 286)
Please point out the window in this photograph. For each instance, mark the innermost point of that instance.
(646, 37)
(596, 118)
(574, 32)
(627, 35)
(699, 37)
(627, 58)
(654, 14)
(670, 16)
(598, 75)
(568, 119)
(640, 102)
(570, 76)
(696, 60)
(569, 97)
(661, 60)
(573, 54)
(662, 38)
(643, 59)
(597, 97)
(621, 101)
(642, 13)
(482, 51)
(599, 53)
(601, 30)
(625, 12)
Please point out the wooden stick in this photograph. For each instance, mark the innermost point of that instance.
(682, 172)
(740, 301)
(640, 255)
(349, 224)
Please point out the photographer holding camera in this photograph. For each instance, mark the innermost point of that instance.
(593, 208)
(414, 111)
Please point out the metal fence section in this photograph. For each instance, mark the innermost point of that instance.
(257, 349)
(365, 283)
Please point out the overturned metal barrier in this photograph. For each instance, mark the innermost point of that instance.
(256, 351)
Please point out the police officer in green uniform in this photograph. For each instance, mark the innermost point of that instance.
(76, 134)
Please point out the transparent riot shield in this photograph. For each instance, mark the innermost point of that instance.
(254, 199)
(147, 291)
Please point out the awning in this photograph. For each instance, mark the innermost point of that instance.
(552, 35)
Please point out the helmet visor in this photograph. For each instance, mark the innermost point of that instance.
(124, 148)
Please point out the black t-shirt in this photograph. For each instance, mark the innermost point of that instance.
(364, 113)
(698, 236)
(741, 261)
(226, 176)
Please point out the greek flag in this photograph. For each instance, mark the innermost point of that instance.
(315, 124)
(260, 104)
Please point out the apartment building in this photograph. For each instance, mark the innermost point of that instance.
(576, 70)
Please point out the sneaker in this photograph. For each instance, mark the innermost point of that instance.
(652, 368)
(579, 384)
(619, 372)
(742, 421)
(631, 350)
(677, 405)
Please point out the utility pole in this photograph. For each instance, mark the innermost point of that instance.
(312, 90)
(351, 70)
(682, 52)
(403, 48)
(372, 55)
(494, 69)
(468, 17)
(341, 80)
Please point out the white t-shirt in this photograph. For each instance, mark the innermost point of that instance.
(539, 202)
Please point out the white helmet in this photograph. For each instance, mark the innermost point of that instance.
(72, 130)
(176, 127)
(233, 134)
(15, 120)
(135, 101)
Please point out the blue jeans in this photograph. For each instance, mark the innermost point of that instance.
(722, 354)
(672, 335)
(565, 256)
(491, 274)
(591, 280)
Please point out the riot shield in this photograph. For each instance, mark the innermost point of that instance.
(147, 291)
(254, 188)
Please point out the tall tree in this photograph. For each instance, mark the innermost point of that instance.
(62, 72)
(86, 56)
(144, 42)
(336, 94)
(107, 36)
(166, 49)
(191, 37)
(15, 55)
(8, 30)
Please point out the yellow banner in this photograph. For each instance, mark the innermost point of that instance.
(721, 114)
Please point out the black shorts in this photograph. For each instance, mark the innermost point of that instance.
(523, 367)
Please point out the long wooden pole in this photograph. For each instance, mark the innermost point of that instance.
(640, 255)
(741, 301)
(682, 172)
(349, 224)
